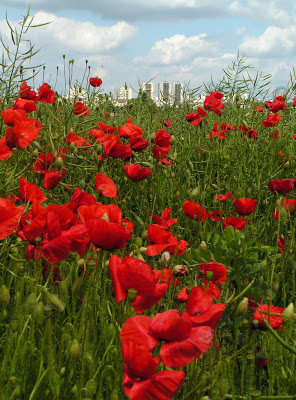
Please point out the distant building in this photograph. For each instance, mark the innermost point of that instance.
(170, 92)
(123, 93)
(149, 88)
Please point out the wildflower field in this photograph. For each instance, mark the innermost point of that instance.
(146, 253)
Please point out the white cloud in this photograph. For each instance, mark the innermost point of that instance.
(177, 49)
(81, 37)
(273, 42)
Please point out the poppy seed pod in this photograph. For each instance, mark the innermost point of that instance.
(131, 295)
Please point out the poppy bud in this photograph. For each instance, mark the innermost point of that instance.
(287, 164)
(80, 262)
(275, 286)
(288, 312)
(255, 323)
(179, 270)
(209, 275)
(195, 192)
(131, 295)
(243, 306)
(72, 146)
(37, 145)
(255, 393)
(165, 258)
(145, 235)
(74, 350)
(143, 250)
(214, 186)
(175, 155)
(82, 184)
(57, 302)
(62, 371)
(4, 295)
(263, 264)
(203, 245)
(283, 215)
(35, 153)
(173, 139)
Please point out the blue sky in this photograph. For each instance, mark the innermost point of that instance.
(184, 41)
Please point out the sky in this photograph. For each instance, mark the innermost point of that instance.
(135, 41)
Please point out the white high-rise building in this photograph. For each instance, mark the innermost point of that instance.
(149, 88)
(170, 93)
(123, 93)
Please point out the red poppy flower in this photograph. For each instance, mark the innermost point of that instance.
(82, 198)
(163, 385)
(81, 109)
(165, 219)
(214, 103)
(58, 244)
(281, 244)
(30, 192)
(162, 239)
(10, 116)
(277, 105)
(9, 217)
(162, 138)
(136, 173)
(237, 222)
(183, 342)
(129, 130)
(105, 226)
(131, 273)
(106, 128)
(219, 271)
(272, 119)
(223, 197)
(95, 82)
(244, 206)
(282, 186)
(21, 134)
(160, 152)
(77, 140)
(167, 124)
(51, 179)
(46, 95)
(27, 93)
(114, 148)
(202, 310)
(196, 118)
(5, 153)
(23, 104)
(138, 144)
(194, 211)
(215, 215)
(251, 132)
(274, 321)
(259, 109)
(105, 185)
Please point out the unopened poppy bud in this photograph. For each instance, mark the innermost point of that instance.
(4, 295)
(37, 145)
(283, 215)
(255, 393)
(287, 164)
(75, 350)
(243, 306)
(255, 323)
(214, 186)
(215, 202)
(152, 137)
(145, 235)
(35, 153)
(203, 245)
(80, 262)
(188, 172)
(131, 295)
(275, 286)
(191, 166)
(165, 258)
(72, 146)
(179, 270)
(263, 264)
(57, 302)
(209, 275)
(138, 241)
(143, 250)
(91, 265)
(175, 155)
(195, 192)
(288, 312)
(173, 139)
(62, 371)
(105, 217)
